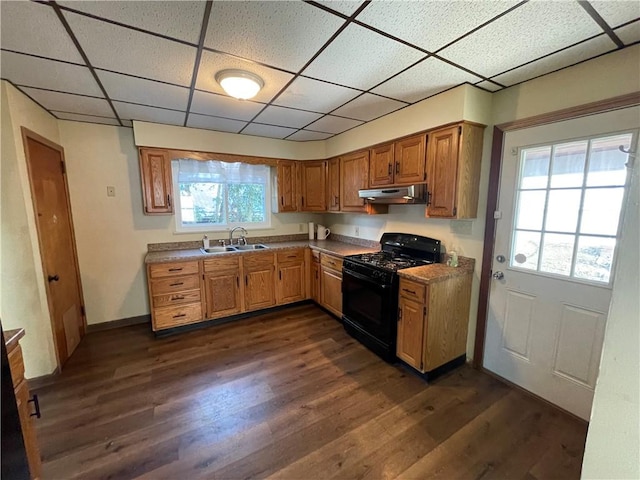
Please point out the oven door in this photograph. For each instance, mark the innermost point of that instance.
(369, 305)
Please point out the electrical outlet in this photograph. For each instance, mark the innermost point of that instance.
(111, 191)
(356, 231)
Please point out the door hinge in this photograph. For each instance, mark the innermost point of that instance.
(424, 311)
(83, 312)
(425, 175)
(421, 365)
(203, 276)
(460, 130)
(63, 167)
(303, 201)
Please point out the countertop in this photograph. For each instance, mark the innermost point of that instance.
(11, 338)
(332, 247)
(438, 272)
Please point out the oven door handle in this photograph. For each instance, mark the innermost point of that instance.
(364, 279)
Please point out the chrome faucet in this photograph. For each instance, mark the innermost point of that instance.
(242, 237)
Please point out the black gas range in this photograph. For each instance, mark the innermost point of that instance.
(370, 288)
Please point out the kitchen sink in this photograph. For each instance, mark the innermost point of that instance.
(218, 249)
(257, 246)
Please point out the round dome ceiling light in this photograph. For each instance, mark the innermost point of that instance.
(239, 84)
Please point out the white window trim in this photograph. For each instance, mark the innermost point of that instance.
(204, 228)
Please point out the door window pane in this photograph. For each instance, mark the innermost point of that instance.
(524, 253)
(594, 258)
(601, 210)
(535, 167)
(562, 210)
(606, 161)
(530, 209)
(568, 164)
(557, 253)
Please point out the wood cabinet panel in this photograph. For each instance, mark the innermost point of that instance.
(222, 293)
(287, 183)
(221, 263)
(288, 256)
(331, 291)
(330, 261)
(413, 290)
(410, 331)
(28, 430)
(333, 187)
(16, 365)
(259, 288)
(381, 164)
(157, 187)
(159, 270)
(313, 186)
(179, 298)
(291, 283)
(169, 317)
(315, 281)
(410, 160)
(354, 176)
(174, 284)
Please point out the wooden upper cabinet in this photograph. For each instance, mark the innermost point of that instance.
(410, 160)
(313, 186)
(454, 156)
(333, 184)
(157, 188)
(381, 165)
(354, 169)
(287, 186)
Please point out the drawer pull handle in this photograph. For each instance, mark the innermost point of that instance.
(175, 269)
(176, 284)
(408, 291)
(180, 315)
(178, 297)
(36, 404)
(292, 256)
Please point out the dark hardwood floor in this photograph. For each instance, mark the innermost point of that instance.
(286, 395)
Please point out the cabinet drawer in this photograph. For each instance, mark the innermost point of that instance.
(315, 255)
(331, 261)
(168, 317)
(412, 290)
(291, 256)
(175, 284)
(222, 263)
(258, 260)
(159, 270)
(16, 364)
(177, 298)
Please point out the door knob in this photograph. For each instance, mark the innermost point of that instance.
(53, 278)
(498, 275)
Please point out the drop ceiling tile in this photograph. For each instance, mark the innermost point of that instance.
(575, 54)
(223, 106)
(67, 102)
(348, 60)
(530, 31)
(34, 28)
(618, 12)
(181, 20)
(214, 123)
(282, 34)
(306, 135)
(50, 74)
(211, 63)
(629, 33)
(86, 118)
(425, 79)
(367, 107)
(428, 24)
(147, 92)
(308, 94)
(344, 7)
(131, 111)
(270, 131)
(286, 117)
(121, 49)
(331, 124)
(492, 87)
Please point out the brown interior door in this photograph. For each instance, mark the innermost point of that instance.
(50, 196)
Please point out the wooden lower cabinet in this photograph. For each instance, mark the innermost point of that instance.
(21, 390)
(259, 284)
(291, 282)
(314, 276)
(222, 290)
(331, 283)
(433, 321)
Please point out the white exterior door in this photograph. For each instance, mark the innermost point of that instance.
(562, 189)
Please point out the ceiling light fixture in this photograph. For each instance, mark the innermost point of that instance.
(239, 84)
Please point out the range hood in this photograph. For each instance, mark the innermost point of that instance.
(398, 195)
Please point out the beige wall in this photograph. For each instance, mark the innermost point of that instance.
(23, 297)
(111, 232)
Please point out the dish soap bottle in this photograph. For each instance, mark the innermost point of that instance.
(205, 242)
(453, 259)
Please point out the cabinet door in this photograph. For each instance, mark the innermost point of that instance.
(155, 172)
(354, 176)
(410, 332)
(315, 281)
(381, 165)
(291, 283)
(331, 291)
(28, 429)
(259, 285)
(222, 293)
(410, 160)
(442, 167)
(313, 188)
(333, 188)
(287, 186)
